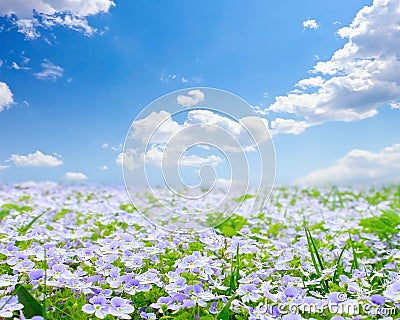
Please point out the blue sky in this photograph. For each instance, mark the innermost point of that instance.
(75, 74)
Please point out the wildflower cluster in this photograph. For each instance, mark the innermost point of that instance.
(84, 252)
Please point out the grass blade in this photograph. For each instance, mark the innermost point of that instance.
(355, 260)
(24, 229)
(335, 275)
(316, 258)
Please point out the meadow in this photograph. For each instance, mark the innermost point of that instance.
(84, 252)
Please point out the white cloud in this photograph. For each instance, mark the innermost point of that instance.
(6, 96)
(159, 128)
(106, 145)
(105, 168)
(178, 78)
(2, 167)
(154, 156)
(160, 122)
(28, 27)
(192, 98)
(159, 140)
(36, 159)
(130, 159)
(359, 78)
(211, 118)
(16, 66)
(359, 167)
(395, 105)
(50, 71)
(118, 148)
(288, 126)
(196, 160)
(31, 15)
(310, 24)
(75, 176)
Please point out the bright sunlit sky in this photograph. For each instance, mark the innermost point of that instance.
(325, 74)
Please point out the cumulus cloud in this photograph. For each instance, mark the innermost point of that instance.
(75, 176)
(30, 16)
(288, 126)
(104, 168)
(159, 140)
(310, 24)
(159, 127)
(2, 167)
(130, 159)
(6, 96)
(154, 156)
(192, 98)
(49, 71)
(359, 78)
(359, 167)
(36, 159)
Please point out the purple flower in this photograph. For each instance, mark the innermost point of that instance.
(36, 274)
(134, 263)
(59, 271)
(162, 304)
(290, 293)
(22, 317)
(120, 308)
(149, 277)
(131, 286)
(292, 316)
(191, 262)
(337, 297)
(188, 303)
(148, 316)
(177, 285)
(114, 280)
(359, 274)
(98, 306)
(24, 266)
(197, 294)
(8, 305)
(248, 292)
(377, 299)
(8, 280)
(213, 308)
(392, 292)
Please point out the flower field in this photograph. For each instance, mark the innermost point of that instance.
(81, 252)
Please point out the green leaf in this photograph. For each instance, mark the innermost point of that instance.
(228, 231)
(243, 198)
(128, 207)
(4, 213)
(225, 313)
(24, 229)
(230, 226)
(31, 306)
(385, 225)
